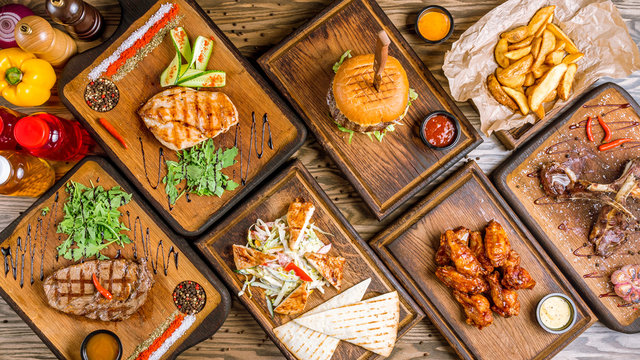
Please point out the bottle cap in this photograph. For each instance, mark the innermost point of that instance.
(5, 169)
(31, 132)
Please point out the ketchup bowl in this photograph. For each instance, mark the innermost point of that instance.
(440, 130)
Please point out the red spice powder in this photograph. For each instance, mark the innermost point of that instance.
(175, 324)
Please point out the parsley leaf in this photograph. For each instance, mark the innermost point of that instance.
(336, 66)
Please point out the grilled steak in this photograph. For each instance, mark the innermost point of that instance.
(71, 289)
(182, 117)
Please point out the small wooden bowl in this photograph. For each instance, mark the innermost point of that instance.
(448, 115)
(83, 347)
(439, 9)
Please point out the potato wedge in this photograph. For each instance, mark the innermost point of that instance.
(547, 46)
(516, 35)
(539, 112)
(540, 18)
(529, 79)
(496, 90)
(572, 58)
(522, 44)
(560, 45)
(540, 71)
(554, 58)
(550, 82)
(500, 50)
(557, 32)
(519, 98)
(535, 46)
(518, 54)
(510, 81)
(552, 96)
(529, 90)
(564, 89)
(520, 67)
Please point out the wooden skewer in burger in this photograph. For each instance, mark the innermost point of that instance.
(369, 92)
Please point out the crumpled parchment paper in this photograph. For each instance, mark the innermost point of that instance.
(596, 27)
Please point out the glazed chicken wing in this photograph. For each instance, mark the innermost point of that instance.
(461, 255)
(443, 255)
(476, 307)
(476, 244)
(496, 244)
(457, 281)
(505, 301)
(514, 276)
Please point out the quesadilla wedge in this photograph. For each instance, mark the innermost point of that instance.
(308, 344)
(295, 302)
(298, 217)
(245, 257)
(330, 267)
(371, 324)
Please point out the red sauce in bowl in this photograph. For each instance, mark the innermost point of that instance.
(440, 131)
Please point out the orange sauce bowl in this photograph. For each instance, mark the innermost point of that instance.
(434, 24)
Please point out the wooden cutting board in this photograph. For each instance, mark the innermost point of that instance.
(36, 258)
(141, 162)
(408, 247)
(563, 228)
(386, 173)
(272, 202)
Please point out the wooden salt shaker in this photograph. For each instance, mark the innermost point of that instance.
(80, 19)
(34, 34)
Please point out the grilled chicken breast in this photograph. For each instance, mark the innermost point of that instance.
(298, 217)
(245, 257)
(330, 267)
(295, 302)
(182, 117)
(71, 289)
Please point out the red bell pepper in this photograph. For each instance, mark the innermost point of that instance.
(299, 272)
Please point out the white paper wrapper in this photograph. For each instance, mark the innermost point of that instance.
(596, 27)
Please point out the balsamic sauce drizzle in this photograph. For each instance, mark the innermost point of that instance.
(144, 164)
(145, 239)
(253, 142)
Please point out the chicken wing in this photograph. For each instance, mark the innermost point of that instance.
(443, 255)
(476, 244)
(461, 255)
(496, 244)
(457, 281)
(505, 301)
(514, 276)
(476, 307)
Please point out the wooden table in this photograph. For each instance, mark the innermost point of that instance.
(254, 26)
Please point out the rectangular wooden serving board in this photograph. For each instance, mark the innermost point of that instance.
(141, 163)
(272, 202)
(386, 173)
(563, 228)
(21, 285)
(408, 247)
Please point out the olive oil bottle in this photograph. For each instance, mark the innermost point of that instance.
(24, 175)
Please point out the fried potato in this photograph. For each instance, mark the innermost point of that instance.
(572, 58)
(549, 82)
(540, 71)
(498, 93)
(529, 79)
(529, 90)
(557, 32)
(520, 67)
(560, 45)
(510, 81)
(518, 54)
(522, 44)
(500, 50)
(552, 96)
(540, 19)
(547, 46)
(516, 35)
(535, 46)
(519, 98)
(539, 112)
(564, 89)
(555, 57)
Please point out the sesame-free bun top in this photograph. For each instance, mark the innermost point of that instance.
(359, 101)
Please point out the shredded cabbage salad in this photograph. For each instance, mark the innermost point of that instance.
(273, 238)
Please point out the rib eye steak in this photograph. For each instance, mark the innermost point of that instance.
(71, 289)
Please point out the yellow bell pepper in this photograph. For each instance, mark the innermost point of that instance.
(25, 80)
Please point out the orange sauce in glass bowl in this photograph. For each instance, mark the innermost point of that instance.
(434, 25)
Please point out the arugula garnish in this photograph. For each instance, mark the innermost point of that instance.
(44, 211)
(201, 166)
(336, 66)
(92, 221)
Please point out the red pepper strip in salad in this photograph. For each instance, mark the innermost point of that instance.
(606, 128)
(589, 131)
(299, 272)
(613, 144)
(104, 292)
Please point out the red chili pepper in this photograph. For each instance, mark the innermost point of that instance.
(104, 292)
(112, 131)
(301, 274)
(589, 132)
(606, 128)
(613, 144)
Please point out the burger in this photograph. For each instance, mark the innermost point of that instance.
(354, 102)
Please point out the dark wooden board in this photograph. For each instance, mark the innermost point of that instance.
(64, 333)
(385, 174)
(271, 202)
(408, 247)
(249, 91)
(562, 228)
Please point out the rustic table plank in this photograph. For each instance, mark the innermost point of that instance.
(254, 26)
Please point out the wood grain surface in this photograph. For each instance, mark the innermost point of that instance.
(33, 242)
(255, 26)
(563, 228)
(409, 245)
(387, 173)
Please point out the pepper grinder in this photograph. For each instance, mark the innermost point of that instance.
(81, 20)
(34, 34)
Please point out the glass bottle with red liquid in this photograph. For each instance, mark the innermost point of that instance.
(8, 118)
(50, 137)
